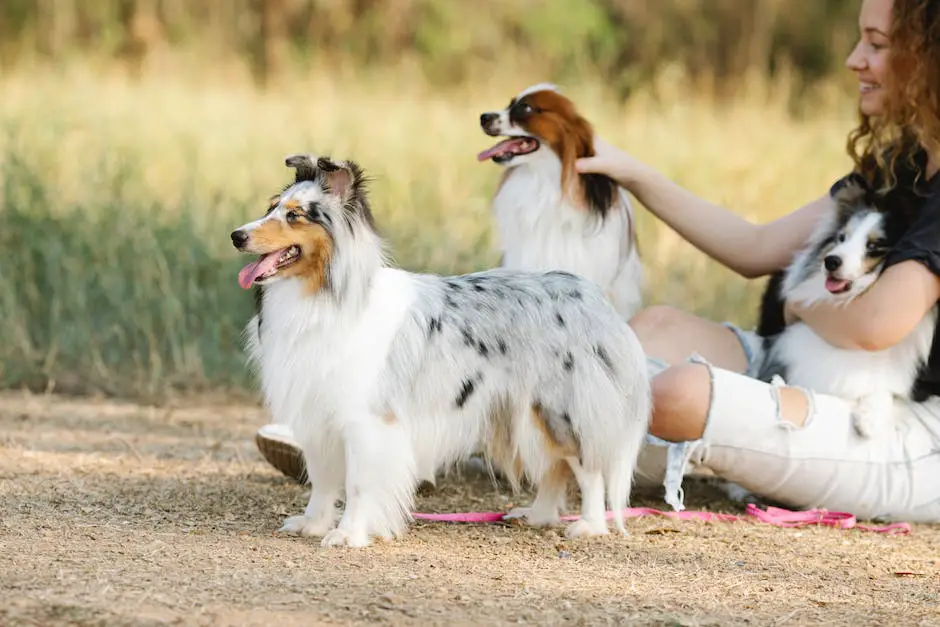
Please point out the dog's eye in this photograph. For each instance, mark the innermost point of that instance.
(878, 244)
(841, 238)
(522, 109)
(292, 216)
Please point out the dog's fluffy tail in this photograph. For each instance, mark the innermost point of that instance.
(621, 465)
(636, 406)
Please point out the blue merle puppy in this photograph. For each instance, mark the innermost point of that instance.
(387, 376)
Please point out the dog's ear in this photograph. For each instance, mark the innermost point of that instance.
(346, 181)
(305, 166)
(341, 178)
(852, 192)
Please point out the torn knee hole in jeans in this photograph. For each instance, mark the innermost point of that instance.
(795, 405)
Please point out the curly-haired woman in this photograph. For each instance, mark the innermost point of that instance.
(789, 445)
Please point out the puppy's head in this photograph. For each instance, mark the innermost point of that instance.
(854, 253)
(305, 224)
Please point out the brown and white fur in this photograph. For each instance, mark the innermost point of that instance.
(843, 259)
(386, 376)
(549, 216)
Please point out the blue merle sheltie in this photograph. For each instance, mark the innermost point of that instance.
(386, 376)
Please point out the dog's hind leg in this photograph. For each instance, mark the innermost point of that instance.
(593, 521)
(549, 498)
(380, 482)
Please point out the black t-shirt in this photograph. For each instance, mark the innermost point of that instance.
(919, 200)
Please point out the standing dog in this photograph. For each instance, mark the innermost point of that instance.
(385, 376)
(843, 258)
(550, 217)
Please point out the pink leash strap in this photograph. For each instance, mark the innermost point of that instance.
(775, 516)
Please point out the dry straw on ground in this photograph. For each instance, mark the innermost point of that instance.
(120, 514)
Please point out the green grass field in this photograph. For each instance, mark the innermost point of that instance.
(118, 199)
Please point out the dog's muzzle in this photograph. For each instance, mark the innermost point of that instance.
(832, 263)
(490, 123)
(239, 238)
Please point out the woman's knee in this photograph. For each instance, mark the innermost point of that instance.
(672, 335)
(794, 406)
(655, 320)
(659, 330)
(681, 398)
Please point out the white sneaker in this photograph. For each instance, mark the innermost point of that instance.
(276, 444)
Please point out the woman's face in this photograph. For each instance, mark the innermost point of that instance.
(869, 58)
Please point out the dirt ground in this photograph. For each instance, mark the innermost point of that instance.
(118, 514)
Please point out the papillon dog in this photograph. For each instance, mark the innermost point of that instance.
(550, 217)
(386, 376)
(843, 258)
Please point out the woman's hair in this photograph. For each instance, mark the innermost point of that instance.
(910, 124)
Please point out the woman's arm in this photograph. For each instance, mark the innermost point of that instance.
(751, 250)
(882, 316)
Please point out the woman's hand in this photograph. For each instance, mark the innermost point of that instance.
(613, 162)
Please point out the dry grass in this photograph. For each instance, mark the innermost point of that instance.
(124, 514)
(118, 199)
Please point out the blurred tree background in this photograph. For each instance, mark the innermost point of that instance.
(625, 42)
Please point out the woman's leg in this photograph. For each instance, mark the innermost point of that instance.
(671, 335)
(681, 399)
(799, 447)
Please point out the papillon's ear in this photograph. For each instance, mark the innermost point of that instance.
(340, 178)
(305, 166)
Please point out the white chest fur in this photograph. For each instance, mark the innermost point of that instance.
(852, 374)
(318, 358)
(539, 230)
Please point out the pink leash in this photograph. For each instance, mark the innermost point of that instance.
(772, 515)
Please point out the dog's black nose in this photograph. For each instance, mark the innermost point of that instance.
(239, 238)
(488, 118)
(832, 262)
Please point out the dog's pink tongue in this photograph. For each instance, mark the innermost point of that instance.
(835, 285)
(504, 146)
(253, 270)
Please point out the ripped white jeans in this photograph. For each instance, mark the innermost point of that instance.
(822, 464)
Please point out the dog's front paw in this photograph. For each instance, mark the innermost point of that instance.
(581, 528)
(863, 419)
(306, 526)
(341, 537)
(533, 516)
(863, 424)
